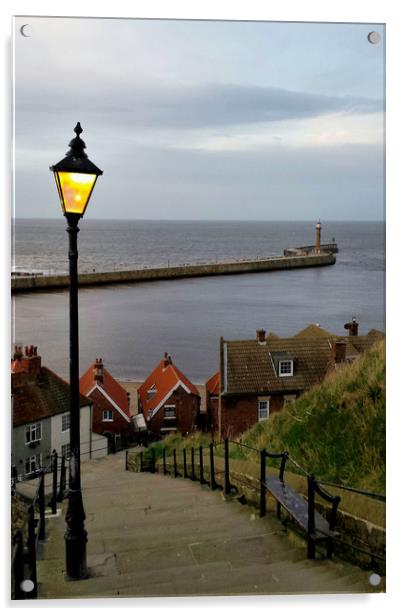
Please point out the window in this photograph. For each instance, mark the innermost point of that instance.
(170, 411)
(33, 433)
(65, 451)
(33, 463)
(151, 392)
(65, 422)
(107, 415)
(286, 367)
(289, 400)
(263, 410)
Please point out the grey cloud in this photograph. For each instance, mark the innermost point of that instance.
(207, 105)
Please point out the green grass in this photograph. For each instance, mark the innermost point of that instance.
(337, 429)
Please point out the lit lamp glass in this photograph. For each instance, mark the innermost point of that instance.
(75, 177)
(74, 190)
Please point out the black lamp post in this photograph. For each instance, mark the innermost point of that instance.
(75, 177)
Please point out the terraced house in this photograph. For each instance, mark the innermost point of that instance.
(41, 415)
(111, 405)
(168, 400)
(259, 377)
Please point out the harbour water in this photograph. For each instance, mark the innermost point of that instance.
(131, 325)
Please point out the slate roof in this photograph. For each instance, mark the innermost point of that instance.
(164, 378)
(251, 368)
(112, 387)
(38, 398)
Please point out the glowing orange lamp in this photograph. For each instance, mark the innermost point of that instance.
(75, 177)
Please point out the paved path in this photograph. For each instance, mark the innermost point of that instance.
(150, 535)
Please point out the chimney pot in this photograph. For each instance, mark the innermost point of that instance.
(261, 336)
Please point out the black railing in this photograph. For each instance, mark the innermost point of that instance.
(314, 487)
(25, 540)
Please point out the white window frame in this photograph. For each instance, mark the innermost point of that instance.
(151, 392)
(33, 462)
(169, 408)
(261, 402)
(108, 417)
(33, 433)
(65, 419)
(280, 364)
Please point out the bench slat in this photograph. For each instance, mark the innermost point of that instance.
(296, 505)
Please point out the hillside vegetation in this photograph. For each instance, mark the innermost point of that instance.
(337, 429)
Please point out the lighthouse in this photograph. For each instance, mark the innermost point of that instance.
(318, 237)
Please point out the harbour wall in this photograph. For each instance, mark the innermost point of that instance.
(45, 283)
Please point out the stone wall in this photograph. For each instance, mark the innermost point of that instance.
(37, 283)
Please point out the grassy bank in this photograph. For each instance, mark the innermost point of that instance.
(337, 429)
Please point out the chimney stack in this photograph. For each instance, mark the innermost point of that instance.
(98, 372)
(166, 360)
(261, 336)
(339, 350)
(28, 362)
(353, 327)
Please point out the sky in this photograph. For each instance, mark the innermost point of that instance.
(203, 120)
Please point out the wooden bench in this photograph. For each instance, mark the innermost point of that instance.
(303, 511)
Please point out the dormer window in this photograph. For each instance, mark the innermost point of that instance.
(284, 363)
(151, 392)
(285, 367)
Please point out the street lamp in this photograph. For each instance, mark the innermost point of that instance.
(75, 177)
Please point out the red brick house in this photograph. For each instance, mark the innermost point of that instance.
(259, 377)
(111, 404)
(168, 400)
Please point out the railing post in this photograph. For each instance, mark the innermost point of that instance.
(141, 461)
(263, 480)
(311, 514)
(42, 530)
(212, 483)
(193, 477)
(31, 545)
(174, 463)
(126, 460)
(164, 460)
(53, 502)
(185, 464)
(201, 466)
(18, 565)
(62, 486)
(153, 461)
(227, 480)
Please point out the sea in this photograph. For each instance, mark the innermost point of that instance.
(131, 325)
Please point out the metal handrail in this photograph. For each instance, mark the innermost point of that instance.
(375, 495)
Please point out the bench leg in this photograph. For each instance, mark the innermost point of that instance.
(278, 510)
(310, 548)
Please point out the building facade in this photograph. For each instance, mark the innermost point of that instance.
(40, 402)
(168, 401)
(111, 405)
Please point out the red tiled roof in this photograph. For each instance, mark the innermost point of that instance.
(164, 378)
(212, 385)
(44, 395)
(110, 386)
